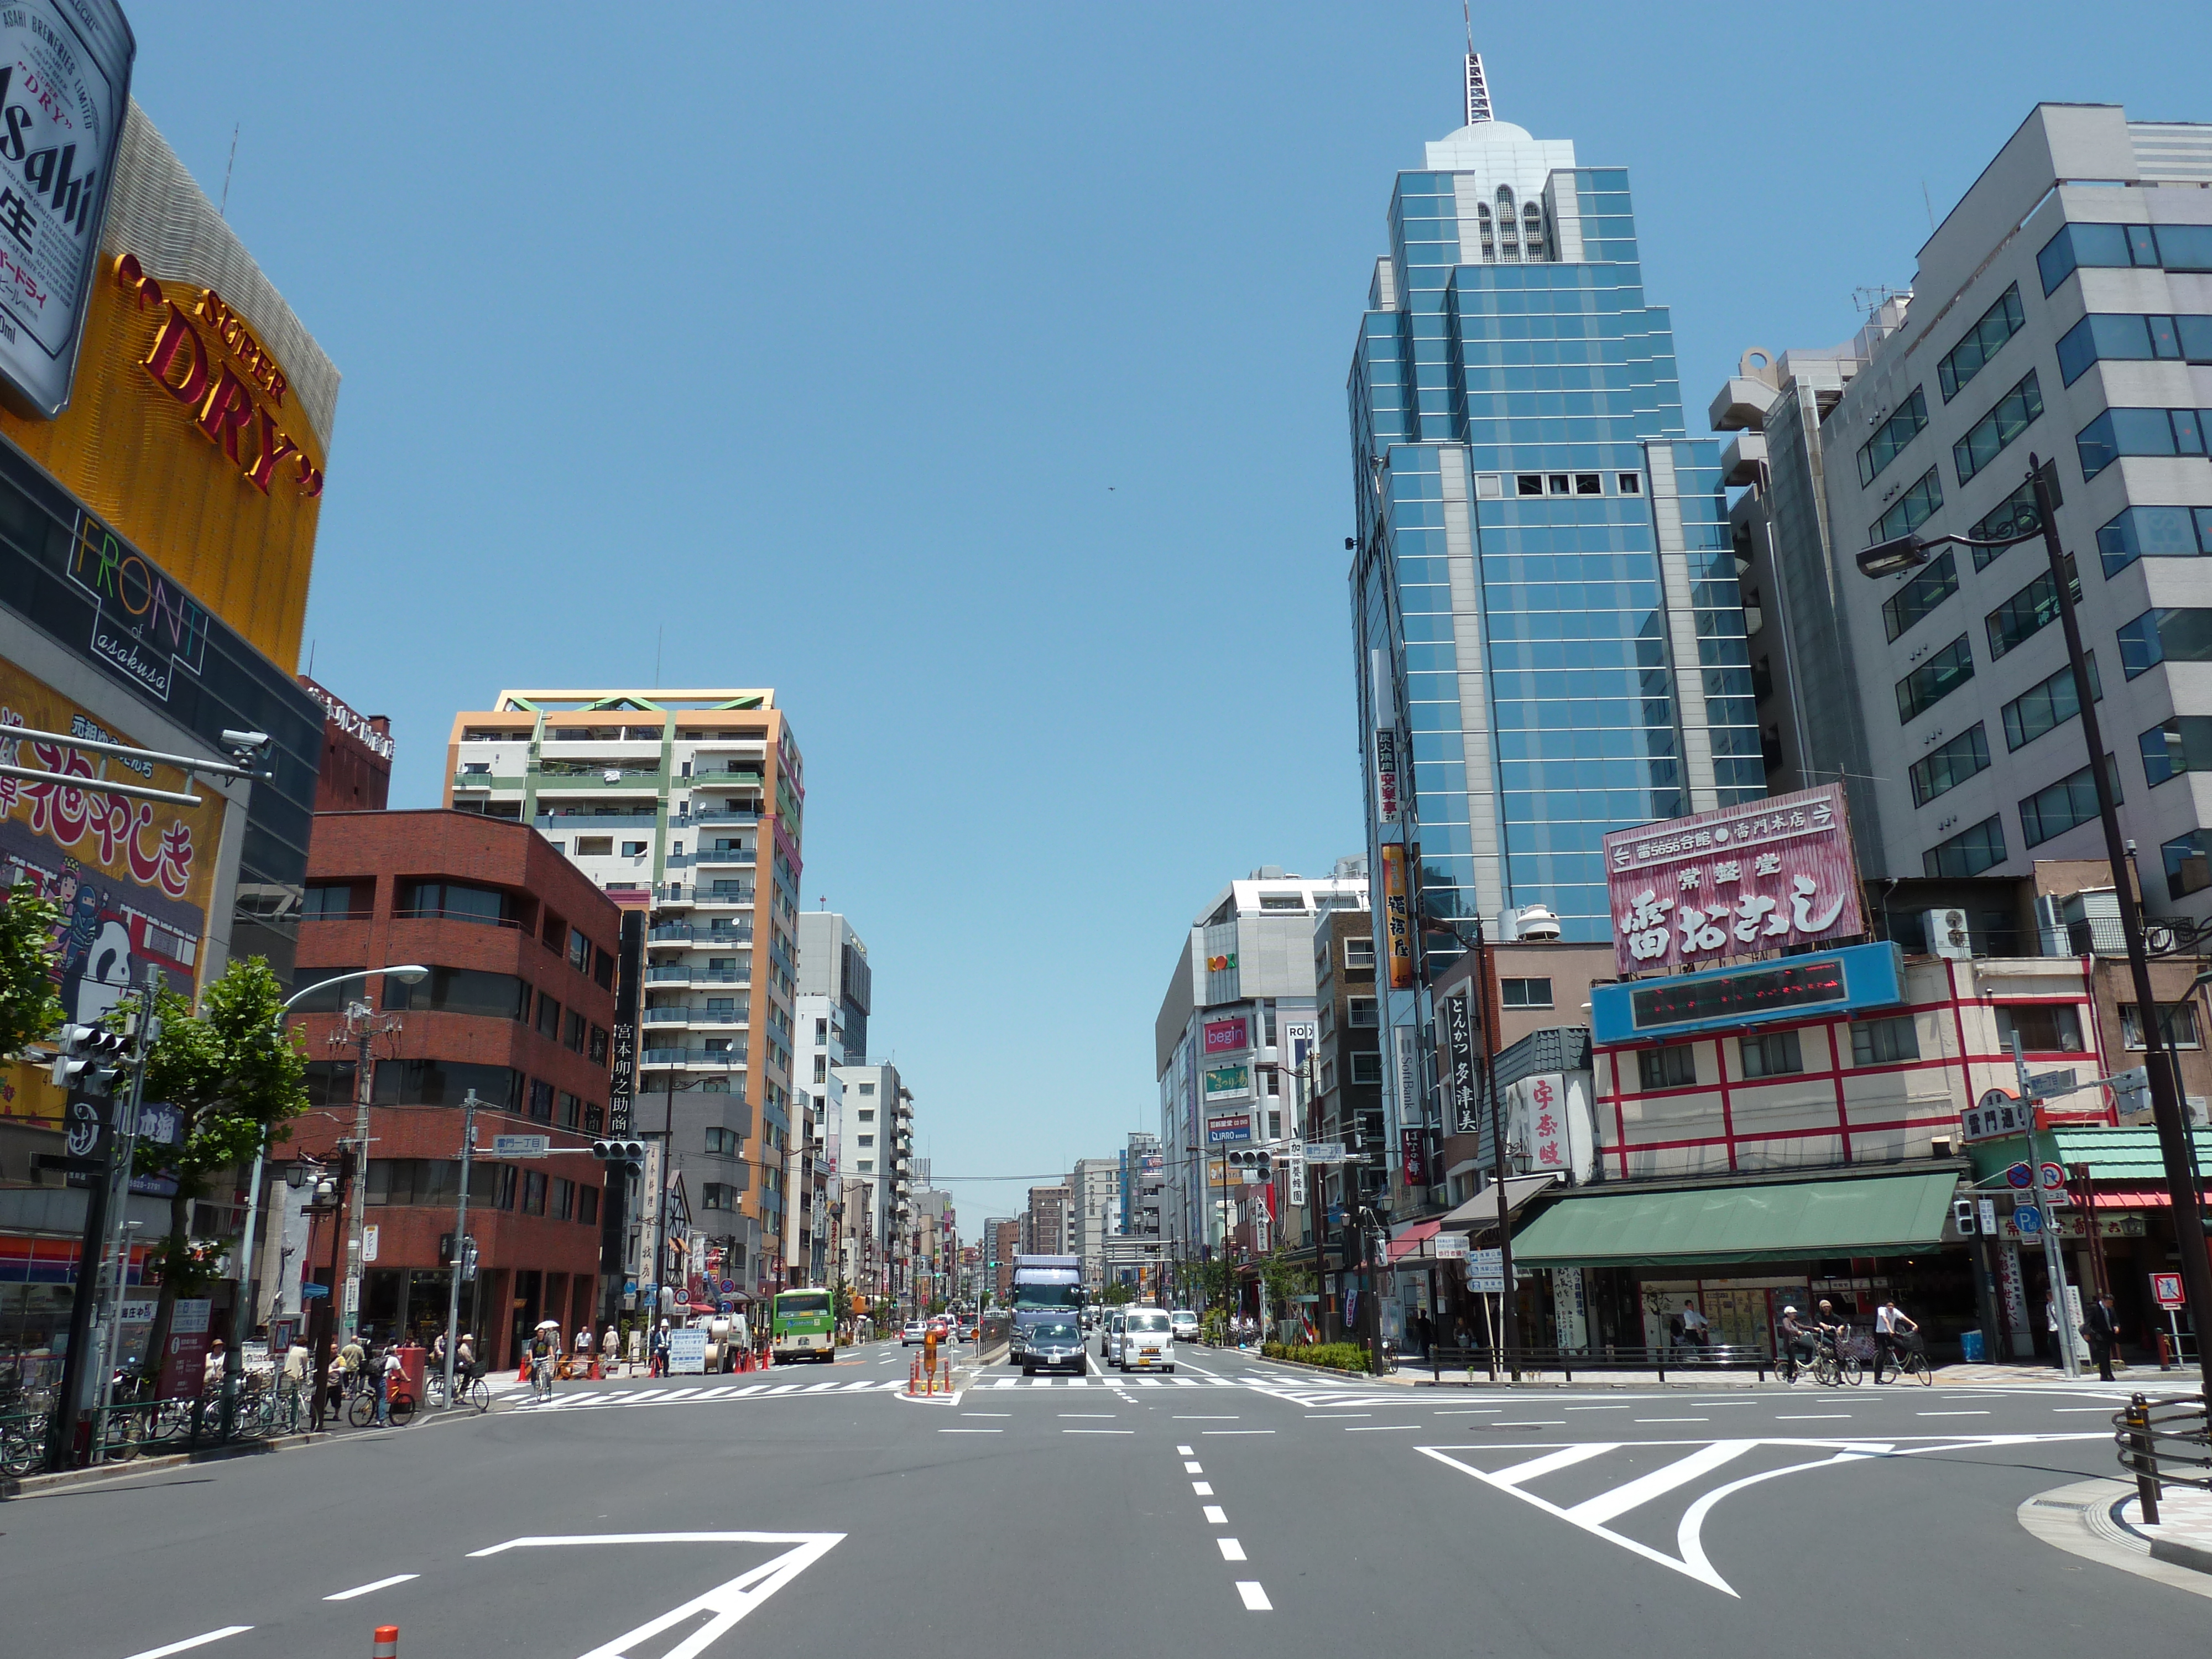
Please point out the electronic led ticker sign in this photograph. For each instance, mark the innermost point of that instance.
(1798, 989)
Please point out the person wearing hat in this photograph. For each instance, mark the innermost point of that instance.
(659, 1367)
(1797, 1341)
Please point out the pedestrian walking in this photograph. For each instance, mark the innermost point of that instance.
(2101, 1327)
(1893, 1331)
(610, 1349)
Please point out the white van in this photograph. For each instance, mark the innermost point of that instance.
(1148, 1340)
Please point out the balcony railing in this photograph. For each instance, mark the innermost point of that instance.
(679, 974)
(668, 1016)
(728, 1060)
(675, 892)
(720, 815)
(566, 823)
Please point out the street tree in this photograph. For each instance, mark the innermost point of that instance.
(30, 1006)
(235, 1075)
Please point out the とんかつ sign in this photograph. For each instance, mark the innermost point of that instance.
(1697, 890)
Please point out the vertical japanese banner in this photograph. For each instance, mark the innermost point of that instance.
(1411, 1158)
(1397, 916)
(1386, 775)
(1459, 1059)
(1695, 891)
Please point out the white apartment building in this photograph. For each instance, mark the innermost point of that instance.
(1095, 1187)
(1240, 992)
(876, 1150)
(690, 801)
(2063, 309)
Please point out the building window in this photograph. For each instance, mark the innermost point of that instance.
(1942, 673)
(2029, 611)
(460, 991)
(1908, 511)
(2058, 807)
(1949, 767)
(2176, 248)
(587, 1204)
(541, 1100)
(867, 1088)
(595, 847)
(1984, 341)
(867, 1140)
(1528, 483)
(867, 1166)
(510, 1183)
(721, 1143)
(867, 1115)
(534, 1192)
(2120, 432)
(454, 901)
(1674, 1066)
(328, 902)
(1630, 483)
(1989, 437)
(1771, 1053)
(1367, 1068)
(564, 1198)
(1884, 1041)
(2044, 1028)
(717, 1195)
(572, 1110)
(549, 1017)
(1525, 992)
(1360, 1013)
(1891, 437)
(572, 1032)
(1933, 583)
(1359, 953)
(596, 1052)
(2187, 868)
(2156, 532)
(2132, 337)
(2169, 635)
(2048, 704)
(1589, 484)
(822, 1068)
(2177, 1025)
(2183, 744)
(1968, 852)
(633, 849)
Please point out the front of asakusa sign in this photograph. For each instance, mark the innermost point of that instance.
(1693, 892)
(65, 84)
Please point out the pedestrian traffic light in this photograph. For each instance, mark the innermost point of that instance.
(1962, 1213)
(86, 1059)
(628, 1153)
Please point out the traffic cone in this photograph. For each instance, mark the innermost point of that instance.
(386, 1645)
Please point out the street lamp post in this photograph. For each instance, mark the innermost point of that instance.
(2175, 1146)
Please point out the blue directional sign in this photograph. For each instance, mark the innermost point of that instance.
(2027, 1219)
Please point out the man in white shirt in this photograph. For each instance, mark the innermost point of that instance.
(1892, 1330)
(1696, 1333)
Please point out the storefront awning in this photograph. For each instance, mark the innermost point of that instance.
(1414, 1242)
(1787, 1221)
(1481, 1211)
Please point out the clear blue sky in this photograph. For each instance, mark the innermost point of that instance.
(974, 376)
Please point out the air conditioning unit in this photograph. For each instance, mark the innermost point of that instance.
(1948, 935)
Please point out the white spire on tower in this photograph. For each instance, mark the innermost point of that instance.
(1477, 89)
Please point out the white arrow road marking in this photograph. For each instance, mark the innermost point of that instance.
(1592, 1514)
(727, 1603)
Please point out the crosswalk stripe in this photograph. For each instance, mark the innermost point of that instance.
(678, 1393)
(1565, 1457)
(1596, 1511)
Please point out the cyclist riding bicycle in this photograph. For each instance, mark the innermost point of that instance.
(1894, 1333)
(541, 1365)
(1833, 1328)
(1797, 1342)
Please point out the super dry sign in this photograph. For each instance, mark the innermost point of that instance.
(229, 387)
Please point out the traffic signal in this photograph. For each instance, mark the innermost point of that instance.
(630, 1154)
(86, 1059)
(1252, 1166)
(1962, 1214)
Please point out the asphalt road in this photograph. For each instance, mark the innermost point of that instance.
(1235, 1508)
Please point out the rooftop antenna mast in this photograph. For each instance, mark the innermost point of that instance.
(1478, 88)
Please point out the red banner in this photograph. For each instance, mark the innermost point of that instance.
(1412, 1156)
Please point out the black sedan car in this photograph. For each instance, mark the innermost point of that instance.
(1054, 1346)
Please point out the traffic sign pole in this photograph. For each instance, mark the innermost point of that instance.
(2054, 1259)
(460, 1241)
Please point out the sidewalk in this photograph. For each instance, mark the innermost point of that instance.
(1411, 1374)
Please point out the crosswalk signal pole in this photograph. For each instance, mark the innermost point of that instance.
(460, 1241)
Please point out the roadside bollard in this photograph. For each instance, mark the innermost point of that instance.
(386, 1645)
(913, 1377)
(2146, 1466)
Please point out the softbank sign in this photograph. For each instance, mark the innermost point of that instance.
(1227, 1036)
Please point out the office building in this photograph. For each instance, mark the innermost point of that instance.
(834, 996)
(1545, 612)
(1241, 989)
(1049, 1222)
(2061, 310)
(522, 951)
(690, 802)
(1138, 1198)
(876, 1150)
(1095, 1189)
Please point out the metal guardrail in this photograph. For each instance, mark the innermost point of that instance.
(2164, 1442)
(1567, 1361)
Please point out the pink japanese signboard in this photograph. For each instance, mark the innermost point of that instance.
(1693, 892)
(1227, 1036)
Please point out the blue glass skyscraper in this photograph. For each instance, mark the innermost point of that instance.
(1550, 639)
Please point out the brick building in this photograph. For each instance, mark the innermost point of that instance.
(519, 1006)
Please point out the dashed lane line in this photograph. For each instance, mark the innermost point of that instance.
(1255, 1599)
(1215, 1515)
(374, 1585)
(192, 1642)
(1232, 1550)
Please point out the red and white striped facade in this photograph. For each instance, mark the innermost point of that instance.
(1834, 1111)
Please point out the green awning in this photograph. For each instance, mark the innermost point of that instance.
(1883, 1215)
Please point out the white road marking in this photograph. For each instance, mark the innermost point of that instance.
(1673, 1419)
(191, 1642)
(987, 1414)
(378, 1584)
(1538, 1423)
(1596, 1511)
(1215, 1515)
(1563, 1457)
(1950, 1413)
(1236, 1432)
(971, 1431)
(727, 1603)
(1255, 1599)
(2099, 1411)
(1230, 1549)
(1380, 1428)
(1588, 1409)
(1813, 1417)
(1193, 1468)
(1331, 1417)
(1098, 1431)
(1201, 1489)
(1184, 1451)
(678, 1393)
(1206, 1417)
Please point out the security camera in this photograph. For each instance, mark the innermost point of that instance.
(253, 741)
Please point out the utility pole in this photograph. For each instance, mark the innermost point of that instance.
(363, 1026)
(460, 1241)
(144, 1027)
(326, 1332)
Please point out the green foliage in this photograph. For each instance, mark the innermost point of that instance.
(1115, 1296)
(30, 1008)
(1332, 1355)
(1285, 1278)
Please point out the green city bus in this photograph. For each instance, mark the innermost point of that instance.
(803, 1325)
